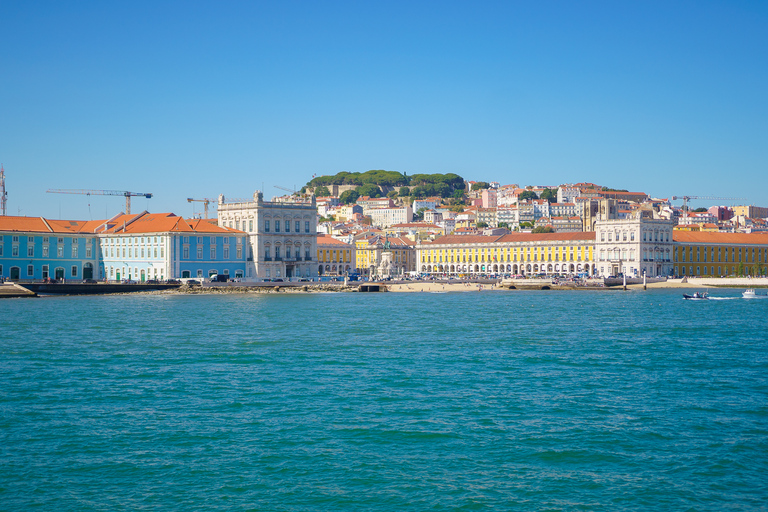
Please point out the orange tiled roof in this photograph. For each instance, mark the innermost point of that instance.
(24, 224)
(710, 237)
(329, 240)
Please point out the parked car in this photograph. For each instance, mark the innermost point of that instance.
(89, 281)
(219, 278)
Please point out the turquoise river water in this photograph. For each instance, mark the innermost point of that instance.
(589, 400)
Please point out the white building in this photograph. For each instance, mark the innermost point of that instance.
(385, 217)
(282, 237)
(508, 216)
(640, 244)
(429, 203)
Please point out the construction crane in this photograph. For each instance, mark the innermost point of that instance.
(205, 202)
(126, 194)
(3, 193)
(292, 191)
(686, 198)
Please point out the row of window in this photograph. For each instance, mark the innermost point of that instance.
(648, 236)
(131, 252)
(31, 239)
(755, 255)
(721, 270)
(288, 254)
(286, 226)
(46, 251)
(212, 252)
(212, 240)
(652, 255)
(45, 271)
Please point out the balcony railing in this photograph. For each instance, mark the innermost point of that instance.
(267, 258)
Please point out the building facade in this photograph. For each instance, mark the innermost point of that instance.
(158, 246)
(515, 253)
(282, 237)
(370, 248)
(334, 257)
(634, 246)
(720, 254)
(38, 248)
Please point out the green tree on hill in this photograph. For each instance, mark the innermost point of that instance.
(369, 189)
(543, 229)
(322, 191)
(528, 194)
(480, 185)
(348, 197)
(550, 195)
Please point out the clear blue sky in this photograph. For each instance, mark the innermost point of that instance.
(194, 99)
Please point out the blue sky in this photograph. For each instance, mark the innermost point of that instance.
(194, 99)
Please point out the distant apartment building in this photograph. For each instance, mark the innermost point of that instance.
(487, 216)
(753, 212)
(489, 197)
(348, 212)
(384, 217)
(429, 203)
(564, 209)
(368, 203)
(721, 213)
(507, 216)
(561, 224)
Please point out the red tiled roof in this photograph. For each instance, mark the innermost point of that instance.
(711, 237)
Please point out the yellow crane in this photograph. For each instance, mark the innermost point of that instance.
(205, 202)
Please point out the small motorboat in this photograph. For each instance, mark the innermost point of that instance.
(696, 296)
(752, 294)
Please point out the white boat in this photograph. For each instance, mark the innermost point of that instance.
(696, 296)
(752, 294)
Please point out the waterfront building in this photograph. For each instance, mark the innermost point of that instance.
(515, 253)
(702, 253)
(282, 237)
(370, 247)
(160, 246)
(635, 246)
(334, 257)
(39, 248)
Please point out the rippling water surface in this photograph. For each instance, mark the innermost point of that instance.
(467, 401)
